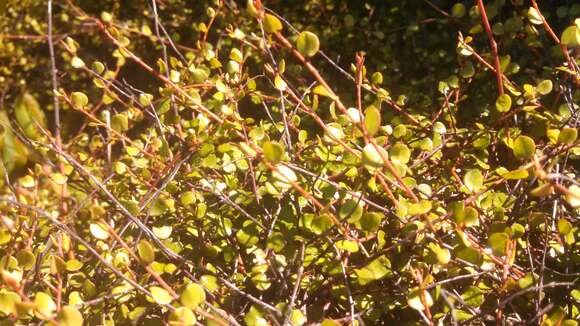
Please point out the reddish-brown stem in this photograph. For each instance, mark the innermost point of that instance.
(554, 36)
(493, 46)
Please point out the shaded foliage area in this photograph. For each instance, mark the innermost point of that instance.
(274, 163)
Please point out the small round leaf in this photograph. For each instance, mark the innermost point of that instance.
(192, 296)
(308, 43)
(160, 295)
(524, 147)
(503, 103)
(272, 24)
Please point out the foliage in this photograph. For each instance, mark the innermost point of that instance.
(231, 162)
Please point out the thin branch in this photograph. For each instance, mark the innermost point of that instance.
(493, 45)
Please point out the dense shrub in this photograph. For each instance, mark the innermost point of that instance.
(289, 162)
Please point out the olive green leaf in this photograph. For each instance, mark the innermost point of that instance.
(307, 43)
(273, 151)
(414, 299)
(160, 295)
(545, 87)
(571, 36)
(79, 100)
(372, 120)
(70, 316)
(373, 157)
(30, 116)
(182, 316)
(498, 243)
(524, 147)
(400, 153)
(473, 180)
(458, 10)
(503, 103)
(44, 305)
(99, 231)
(146, 251)
(567, 136)
(573, 196)
(272, 24)
(375, 270)
(192, 296)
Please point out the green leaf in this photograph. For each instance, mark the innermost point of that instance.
(375, 270)
(249, 234)
(251, 9)
(524, 147)
(77, 62)
(163, 232)
(377, 78)
(372, 120)
(273, 151)
(352, 210)
(120, 122)
(371, 221)
(517, 230)
(573, 197)
(283, 177)
(322, 91)
(571, 36)
(372, 157)
(254, 317)
(70, 316)
(542, 190)
(160, 295)
(414, 299)
(146, 251)
(400, 153)
(308, 43)
(210, 282)
(545, 87)
(471, 217)
(297, 318)
(564, 227)
(534, 16)
(279, 83)
(44, 305)
(26, 259)
(458, 10)
(182, 316)
(187, 198)
(498, 242)
(58, 178)
(347, 245)
(443, 254)
(30, 116)
(79, 100)
(98, 231)
(321, 223)
(8, 301)
(330, 322)
(473, 296)
(503, 103)
(567, 136)
(73, 265)
(333, 133)
(473, 180)
(515, 174)
(272, 24)
(192, 296)
(98, 66)
(236, 55)
(145, 99)
(470, 255)
(526, 281)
